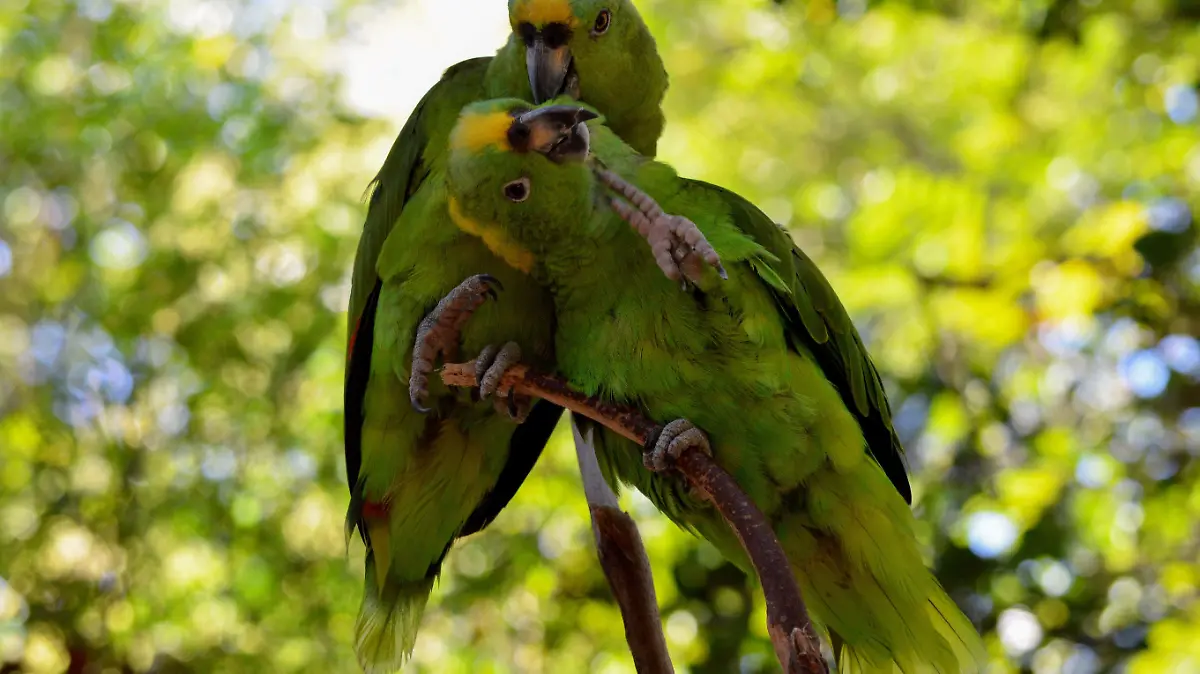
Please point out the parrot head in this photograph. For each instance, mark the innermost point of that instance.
(515, 170)
(598, 51)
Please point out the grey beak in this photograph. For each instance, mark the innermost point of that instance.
(547, 69)
(557, 131)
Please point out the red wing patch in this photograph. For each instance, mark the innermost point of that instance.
(373, 510)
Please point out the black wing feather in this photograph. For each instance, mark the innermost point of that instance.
(524, 449)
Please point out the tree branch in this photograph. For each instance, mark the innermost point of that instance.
(626, 566)
(788, 624)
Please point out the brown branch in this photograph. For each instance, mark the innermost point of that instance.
(788, 624)
(626, 566)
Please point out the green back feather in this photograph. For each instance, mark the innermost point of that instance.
(820, 324)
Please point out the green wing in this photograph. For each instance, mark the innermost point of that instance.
(817, 320)
(421, 142)
(419, 145)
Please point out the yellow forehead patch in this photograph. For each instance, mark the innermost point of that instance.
(475, 132)
(496, 241)
(542, 12)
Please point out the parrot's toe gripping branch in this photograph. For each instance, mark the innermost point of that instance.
(674, 439)
(490, 366)
(661, 454)
(796, 644)
(679, 247)
(438, 334)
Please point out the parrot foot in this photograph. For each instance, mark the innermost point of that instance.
(678, 245)
(438, 334)
(490, 366)
(674, 439)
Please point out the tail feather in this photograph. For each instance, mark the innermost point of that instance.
(954, 647)
(856, 560)
(956, 628)
(876, 634)
(386, 629)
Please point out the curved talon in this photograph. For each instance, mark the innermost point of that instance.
(438, 333)
(516, 407)
(493, 284)
(676, 242)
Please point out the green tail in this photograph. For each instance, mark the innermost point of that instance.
(937, 640)
(888, 632)
(860, 571)
(386, 629)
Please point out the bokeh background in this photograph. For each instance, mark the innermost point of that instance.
(1002, 192)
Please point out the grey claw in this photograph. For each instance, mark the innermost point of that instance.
(494, 363)
(517, 407)
(438, 333)
(674, 439)
(493, 285)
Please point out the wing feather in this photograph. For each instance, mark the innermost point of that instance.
(817, 320)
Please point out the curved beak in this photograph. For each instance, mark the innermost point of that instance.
(548, 69)
(558, 131)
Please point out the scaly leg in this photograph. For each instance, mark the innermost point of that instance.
(678, 245)
(490, 366)
(675, 438)
(438, 334)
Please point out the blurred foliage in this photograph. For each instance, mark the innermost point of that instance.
(1002, 192)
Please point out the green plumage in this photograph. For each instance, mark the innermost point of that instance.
(766, 362)
(418, 482)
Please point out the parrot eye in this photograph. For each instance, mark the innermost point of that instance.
(518, 190)
(603, 21)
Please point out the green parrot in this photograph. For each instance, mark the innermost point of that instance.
(756, 350)
(598, 51)
(420, 481)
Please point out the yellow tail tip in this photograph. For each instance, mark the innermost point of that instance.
(386, 629)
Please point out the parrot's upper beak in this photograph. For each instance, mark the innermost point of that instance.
(557, 131)
(550, 70)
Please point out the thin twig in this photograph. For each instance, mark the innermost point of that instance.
(626, 566)
(788, 624)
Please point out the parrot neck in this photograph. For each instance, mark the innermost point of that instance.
(639, 127)
(506, 75)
